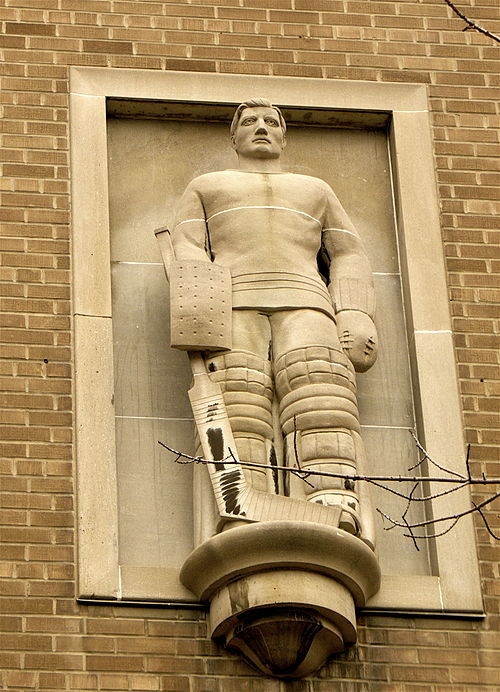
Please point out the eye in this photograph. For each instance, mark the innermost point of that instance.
(272, 122)
(248, 121)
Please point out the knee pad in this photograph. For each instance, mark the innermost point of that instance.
(247, 388)
(317, 389)
(319, 414)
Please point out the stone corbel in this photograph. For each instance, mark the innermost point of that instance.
(283, 593)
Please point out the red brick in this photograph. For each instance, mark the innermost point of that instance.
(118, 663)
(54, 661)
(23, 679)
(115, 626)
(27, 642)
(92, 644)
(124, 47)
(30, 29)
(10, 624)
(55, 681)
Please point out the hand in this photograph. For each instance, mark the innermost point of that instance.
(358, 338)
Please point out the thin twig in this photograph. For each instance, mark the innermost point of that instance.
(419, 524)
(469, 475)
(426, 536)
(411, 533)
(410, 498)
(295, 450)
(470, 23)
(181, 455)
(425, 498)
(485, 521)
(426, 456)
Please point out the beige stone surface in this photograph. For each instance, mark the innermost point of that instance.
(418, 216)
(303, 617)
(414, 593)
(385, 392)
(356, 164)
(165, 156)
(143, 583)
(151, 84)
(271, 545)
(89, 187)
(155, 494)
(155, 506)
(150, 378)
(441, 434)
(96, 458)
(392, 451)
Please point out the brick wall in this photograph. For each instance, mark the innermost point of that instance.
(49, 642)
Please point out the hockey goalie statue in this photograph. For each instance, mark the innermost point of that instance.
(272, 296)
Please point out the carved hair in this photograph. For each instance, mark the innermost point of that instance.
(255, 103)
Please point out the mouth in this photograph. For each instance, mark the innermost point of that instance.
(261, 139)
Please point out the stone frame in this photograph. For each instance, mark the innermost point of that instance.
(454, 588)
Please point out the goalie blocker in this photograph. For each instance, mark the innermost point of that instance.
(200, 301)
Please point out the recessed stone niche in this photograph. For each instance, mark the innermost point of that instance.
(150, 163)
(137, 523)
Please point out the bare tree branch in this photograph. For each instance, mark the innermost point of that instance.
(410, 498)
(429, 522)
(434, 463)
(470, 23)
(458, 481)
(181, 457)
(310, 472)
(488, 529)
(411, 532)
(424, 498)
(426, 536)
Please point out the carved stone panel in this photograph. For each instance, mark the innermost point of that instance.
(150, 164)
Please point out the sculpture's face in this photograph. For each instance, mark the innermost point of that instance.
(259, 134)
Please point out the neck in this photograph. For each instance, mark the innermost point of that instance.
(253, 165)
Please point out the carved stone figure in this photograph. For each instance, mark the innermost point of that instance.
(272, 285)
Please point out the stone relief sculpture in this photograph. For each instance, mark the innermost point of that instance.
(272, 296)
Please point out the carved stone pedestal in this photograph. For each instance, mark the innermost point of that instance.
(283, 593)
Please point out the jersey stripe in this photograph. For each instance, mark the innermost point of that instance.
(296, 211)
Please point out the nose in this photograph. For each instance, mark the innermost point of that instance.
(261, 128)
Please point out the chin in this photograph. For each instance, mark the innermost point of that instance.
(264, 154)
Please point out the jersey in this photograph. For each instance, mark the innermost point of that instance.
(268, 229)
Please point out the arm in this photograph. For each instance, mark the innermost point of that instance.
(200, 291)
(190, 234)
(351, 286)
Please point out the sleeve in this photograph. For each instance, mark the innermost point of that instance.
(190, 234)
(351, 283)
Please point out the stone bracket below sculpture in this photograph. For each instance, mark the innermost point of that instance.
(283, 593)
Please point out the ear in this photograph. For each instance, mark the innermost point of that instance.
(233, 142)
(284, 141)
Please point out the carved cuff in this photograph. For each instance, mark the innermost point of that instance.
(353, 294)
(200, 306)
